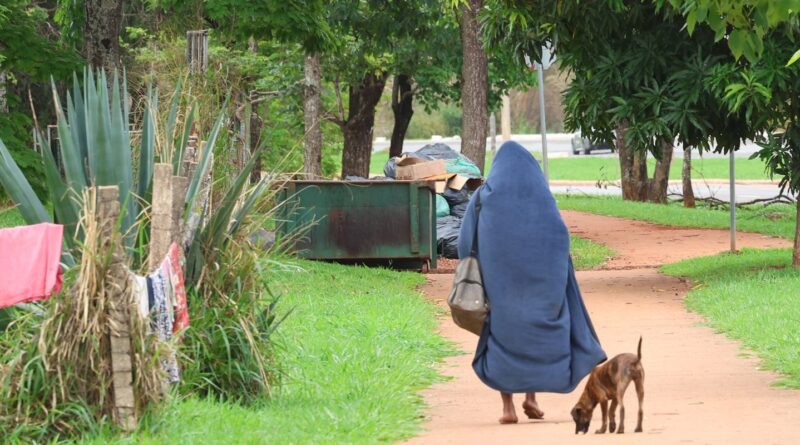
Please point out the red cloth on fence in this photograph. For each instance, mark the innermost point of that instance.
(178, 289)
(30, 259)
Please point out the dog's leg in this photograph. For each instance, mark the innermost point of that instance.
(620, 396)
(640, 394)
(604, 412)
(612, 416)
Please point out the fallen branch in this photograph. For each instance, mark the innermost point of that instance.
(716, 202)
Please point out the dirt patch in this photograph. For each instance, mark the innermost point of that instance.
(444, 266)
(699, 388)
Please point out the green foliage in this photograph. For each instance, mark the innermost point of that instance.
(745, 22)
(27, 55)
(289, 21)
(96, 149)
(10, 217)
(767, 93)
(230, 342)
(14, 131)
(634, 67)
(19, 189)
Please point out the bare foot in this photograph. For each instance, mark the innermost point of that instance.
(532, 410)
(509, 413)
(508, 419)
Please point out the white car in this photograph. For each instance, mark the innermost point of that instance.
(582, 145)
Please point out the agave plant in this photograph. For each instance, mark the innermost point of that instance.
(96, 149)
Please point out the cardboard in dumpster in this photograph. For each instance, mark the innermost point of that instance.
(458, 182)
(440, 181)
(414, 168)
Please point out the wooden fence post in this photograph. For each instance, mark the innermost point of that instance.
(116, 288)
(161, 216)
(180, 185)
(197, 51)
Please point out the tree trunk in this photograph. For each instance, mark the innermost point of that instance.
(796, 250)
(688, 190)
(474, 85)
(641, 180)
(312, 109)
(660, 184)
(256, 124)
(363, 99)
(633, 168)
(103, 23)
(3, 93)
(625, 164)
(402, 107)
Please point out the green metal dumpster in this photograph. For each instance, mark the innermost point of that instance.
(380, 222)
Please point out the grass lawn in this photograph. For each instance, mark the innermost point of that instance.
(358, 347)
(607, 168)
(776, 220)
(753, 298)
(588, 254)
(593, 168)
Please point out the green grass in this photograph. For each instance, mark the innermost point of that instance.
(10, 217)
(607, 168)
(776, 220)
(593, 168)
(751, 297)
(588, 254)
(358, 347)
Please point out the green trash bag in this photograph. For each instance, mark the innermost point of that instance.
(463, 167)
(442, 207)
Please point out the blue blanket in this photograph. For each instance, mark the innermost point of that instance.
(538, 336)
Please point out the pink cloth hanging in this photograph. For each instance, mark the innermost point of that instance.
(178, 288)
(30, 267)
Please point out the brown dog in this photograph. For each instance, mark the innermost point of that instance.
(609, 382)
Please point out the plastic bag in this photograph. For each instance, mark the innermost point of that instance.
(463, 167)
(455, 197)
(442, 207)
(447, 232)
(459, 210)
(437, 151)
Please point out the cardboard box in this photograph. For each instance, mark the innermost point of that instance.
(414, 168)
(440, 181)
(458, 182)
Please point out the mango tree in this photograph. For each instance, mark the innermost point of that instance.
(639, 80)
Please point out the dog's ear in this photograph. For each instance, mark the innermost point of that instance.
(576, 413)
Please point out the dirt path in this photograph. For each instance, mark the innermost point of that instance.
(700, 389)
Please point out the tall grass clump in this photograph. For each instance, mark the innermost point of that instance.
(55, 367)
(227, 351)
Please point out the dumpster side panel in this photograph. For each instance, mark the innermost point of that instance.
(342, 221)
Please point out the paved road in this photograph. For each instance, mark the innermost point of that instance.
(744, 192)
(558, 145)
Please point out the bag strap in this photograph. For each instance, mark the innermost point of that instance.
(474, 251)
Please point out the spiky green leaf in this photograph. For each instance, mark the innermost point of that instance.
(20, 190)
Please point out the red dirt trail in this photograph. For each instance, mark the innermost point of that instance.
(700, 388)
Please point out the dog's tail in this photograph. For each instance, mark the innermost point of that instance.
(639, 349)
